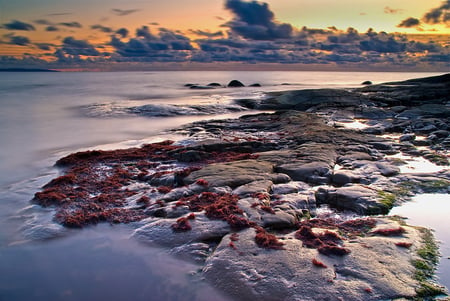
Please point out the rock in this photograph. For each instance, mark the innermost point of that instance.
(254, 273)
(197, 252)
(255, 85)
(343, 177)
(314, 172)
(160, 232)
(291, 187)
(387, 169)
(357, 198)
(214, 85)
(354, 156)
(233, 174)
(281, 219)
(407, 137)
(252, 188)
(367, 82)
(235, 84)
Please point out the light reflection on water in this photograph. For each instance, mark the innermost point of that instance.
(98, 263)
(431, 211)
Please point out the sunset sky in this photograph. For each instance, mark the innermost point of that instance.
(64, 33)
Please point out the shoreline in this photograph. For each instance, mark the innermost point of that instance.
(263, 175)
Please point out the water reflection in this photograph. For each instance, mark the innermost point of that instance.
(431, 211)
(98, 263)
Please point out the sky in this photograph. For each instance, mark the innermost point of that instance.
(411, 34)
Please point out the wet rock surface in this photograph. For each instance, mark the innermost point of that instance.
(242, 195)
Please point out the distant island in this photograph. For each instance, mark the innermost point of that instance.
(26, 70)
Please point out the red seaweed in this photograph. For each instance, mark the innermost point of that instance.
(182, 224)
(403, 244)
(267, 240)
(390, 232)
(318, 263)
(202, 182)
(267, 209)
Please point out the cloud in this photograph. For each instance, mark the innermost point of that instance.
(409, 22)
(123, 32)
(73, 24)
(392, 11)
(19, 40)
(51, 28)
(438, 15)
(44, 46)
(43, 22)
(78, 47)
(58, 14)
(254, 20)
(18, 25)
(102, 28)
(383, 43)
(124, 12)
(207, 33)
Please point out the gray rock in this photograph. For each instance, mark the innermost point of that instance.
(343, 177)
(407, 137)
(253, 187)
(160, 232)
(357, 198)
(247, 272)
(387, 170)
(233, 174)
(314, 172)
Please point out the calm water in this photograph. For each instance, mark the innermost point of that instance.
(44, 116)
(432, 211)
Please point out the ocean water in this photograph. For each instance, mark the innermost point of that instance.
(44, 116)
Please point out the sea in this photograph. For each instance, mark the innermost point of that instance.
(47, 115)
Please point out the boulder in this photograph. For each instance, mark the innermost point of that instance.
(357, 198)
(314, 172)
(235, 84)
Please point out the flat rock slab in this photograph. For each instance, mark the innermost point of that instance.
(246, 272)
(233, 174)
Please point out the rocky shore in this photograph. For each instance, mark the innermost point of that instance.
(243, 196)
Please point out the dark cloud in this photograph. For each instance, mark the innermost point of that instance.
(18, 25)
(58, 14)
(19, 40)
(43, 22)
(123, 12)
(254, 20)
(51, 28)
(154, 23)
(383, 43)
(207, 33)
(438, 15)
(392, 11)
(78, 47)
(409, 22)
(145, 33)
(73, 24)
(123, 32)
(102, 28)
(154, 47)
(43, 46)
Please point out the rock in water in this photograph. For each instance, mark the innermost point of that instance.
(235, 84)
